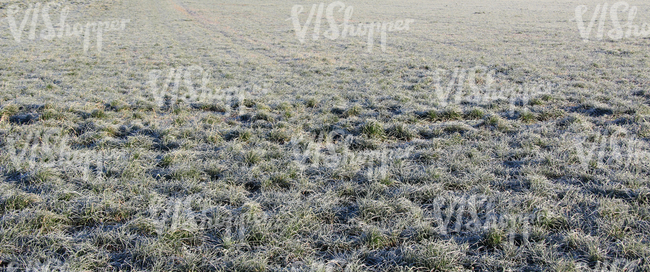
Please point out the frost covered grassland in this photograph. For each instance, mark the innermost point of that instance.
(205, 135)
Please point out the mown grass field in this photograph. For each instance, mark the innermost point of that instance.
(204, 136)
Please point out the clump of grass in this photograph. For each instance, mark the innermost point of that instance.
(46, 221)
(338, 110)
(311, 102)
(547, 97)
(51, 114)
(540, 100)
(144, 106)
(364, 143)
(595, 253)
(214, 170)
(249, 262)
(186, 173)
(493, 238)
(581, 85)
(143, 226)
(372, 210)
(245, 136)
(249, 103)
(284, 106)
(262, 107)
(238, 134)
(475, 114)
(373, 129)
(8, 111)
(548, 114)
(252, 157)
(42, 175)
(549, 220)
(167, 160)
(435, 256)
(252, 208)
(280, 136)
(263, 115)
(527, 117)
(183, 236)
(139, 141)
(376, 239)
(211, 120)
(18, 201)
(460, 128)
(388, 181)
(214, 138)
(612, 209)
(572, 240)
(570, 120)
(179, 121)
(644, 131)
(432, 115)
(179, 110)
(451, 114)
(401, 132)
(98, 113)
(497, 122)
(493, 120)
(643, 197)
(347, 189)
(538, 184)
(354, 110)
(281, 180)
(215, 107)
(118, 105)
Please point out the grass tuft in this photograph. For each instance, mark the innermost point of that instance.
(373, 129)
(18, 201)
(401, 132)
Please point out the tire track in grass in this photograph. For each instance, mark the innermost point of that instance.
(255, 48)
(238, 41)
